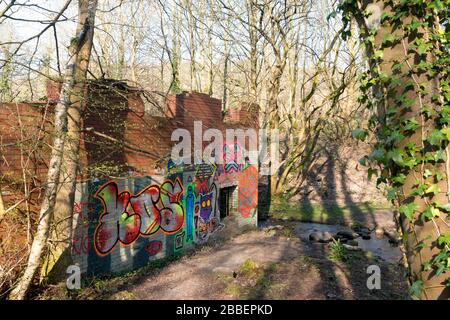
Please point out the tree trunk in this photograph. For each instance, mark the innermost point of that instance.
(175, 86)
(2, 206)
(420, 233)
(69, 88)
(192, 45)
(251, 8)
(59, 248)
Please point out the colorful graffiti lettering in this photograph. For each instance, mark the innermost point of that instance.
(248, 192)
(153, 247)
(125, 217)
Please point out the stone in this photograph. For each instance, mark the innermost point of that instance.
(353, 243)
(351, 248)
(362, 231)
(393, 241)
(275, 227)
(379, 232)
(320, 236)
(366, 236)
(350, 235)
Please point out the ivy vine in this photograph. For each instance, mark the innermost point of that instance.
(412, 119)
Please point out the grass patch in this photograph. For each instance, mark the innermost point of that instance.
(338, 252)
(320, 213)
(248, 267)
(254, 281)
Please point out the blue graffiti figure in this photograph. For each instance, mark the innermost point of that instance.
(190, 207)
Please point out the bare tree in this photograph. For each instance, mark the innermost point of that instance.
(84, 30)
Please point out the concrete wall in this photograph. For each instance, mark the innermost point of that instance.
(120, 225)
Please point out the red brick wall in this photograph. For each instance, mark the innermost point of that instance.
(147, 138)
(22, 126)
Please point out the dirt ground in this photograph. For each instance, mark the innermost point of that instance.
(267, 264)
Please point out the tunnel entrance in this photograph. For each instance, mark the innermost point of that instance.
(227, 201)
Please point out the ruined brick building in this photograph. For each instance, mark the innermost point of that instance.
(133, 202)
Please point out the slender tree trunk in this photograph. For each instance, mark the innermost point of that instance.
(61, 111)
(251, 8)
(61, 232)
(176, 53)
(420, 234)
(192, 46)
(2, 206)
(225, 86)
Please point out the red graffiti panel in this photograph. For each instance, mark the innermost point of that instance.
(248, 191)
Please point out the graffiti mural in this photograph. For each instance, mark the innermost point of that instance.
(122, 224)
(247, 192)
(208, 220)
(189, 205)
(232, 157)
(127, 216)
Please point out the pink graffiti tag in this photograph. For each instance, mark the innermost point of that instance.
(233, 157)
(81, 244)
(153, 247)
(125, 217)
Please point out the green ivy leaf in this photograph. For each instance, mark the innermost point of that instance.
(378, 54)
(392, 193)
(433, 189)
(377, 155)
(439, 156)
(388, 39)
(435, 137)
(444, 239)
(395, 137)
(411, 124)
(400, 178)
(396, 156)
(443, 207)
(427, 173)
(416, 289)
(429, 213)
(408, 209)
(446, 133)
